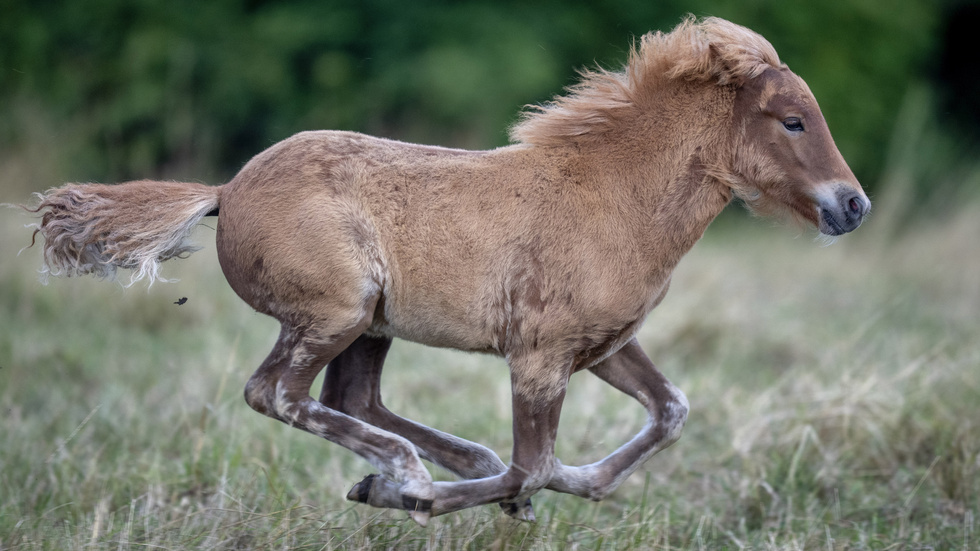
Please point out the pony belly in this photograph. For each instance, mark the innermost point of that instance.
(433, 327)
(432, 316)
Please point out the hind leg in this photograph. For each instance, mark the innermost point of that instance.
(352, 385)
(280, 389)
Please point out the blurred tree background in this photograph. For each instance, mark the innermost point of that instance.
(106, 90)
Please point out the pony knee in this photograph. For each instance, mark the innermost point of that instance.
(270, 398)
(592, 482)
(260, 395)
(522, 482)
(673, 415)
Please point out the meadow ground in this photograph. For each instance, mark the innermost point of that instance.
(835, 397)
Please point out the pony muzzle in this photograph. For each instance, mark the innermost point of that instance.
(841, 209)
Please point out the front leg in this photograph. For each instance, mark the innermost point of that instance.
(538, 391)
(630, 371)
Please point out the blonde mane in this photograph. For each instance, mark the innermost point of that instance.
(701, 51)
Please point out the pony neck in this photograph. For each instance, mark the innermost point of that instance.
(660, 166)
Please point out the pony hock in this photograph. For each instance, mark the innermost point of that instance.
(549, 253)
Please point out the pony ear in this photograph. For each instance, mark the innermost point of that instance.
(722, 70)
(704, 62)
(740, 53)
(712, 49)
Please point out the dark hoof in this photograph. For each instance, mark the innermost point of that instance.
(377, 491)
(520, 511)
(362, 490)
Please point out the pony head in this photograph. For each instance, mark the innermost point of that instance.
(784, 159)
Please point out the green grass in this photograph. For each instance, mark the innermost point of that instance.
(835, 397)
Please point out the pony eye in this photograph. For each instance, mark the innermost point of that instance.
(793, 124)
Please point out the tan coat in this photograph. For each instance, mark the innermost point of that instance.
(550, 252)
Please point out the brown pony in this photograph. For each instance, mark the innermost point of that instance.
(549, 253)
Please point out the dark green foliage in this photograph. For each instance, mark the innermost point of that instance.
(187, 89)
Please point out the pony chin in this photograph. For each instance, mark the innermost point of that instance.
(763, 205)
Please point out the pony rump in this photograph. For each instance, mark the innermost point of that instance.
(96, 228)
(710, 49)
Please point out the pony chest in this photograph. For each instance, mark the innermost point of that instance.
(584, 324)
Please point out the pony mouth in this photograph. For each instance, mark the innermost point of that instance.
(829, 224)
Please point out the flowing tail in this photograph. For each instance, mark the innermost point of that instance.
(96, 228)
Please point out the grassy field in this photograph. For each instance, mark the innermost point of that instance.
(835, 397)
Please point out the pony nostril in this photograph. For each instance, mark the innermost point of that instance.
(853, 205)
